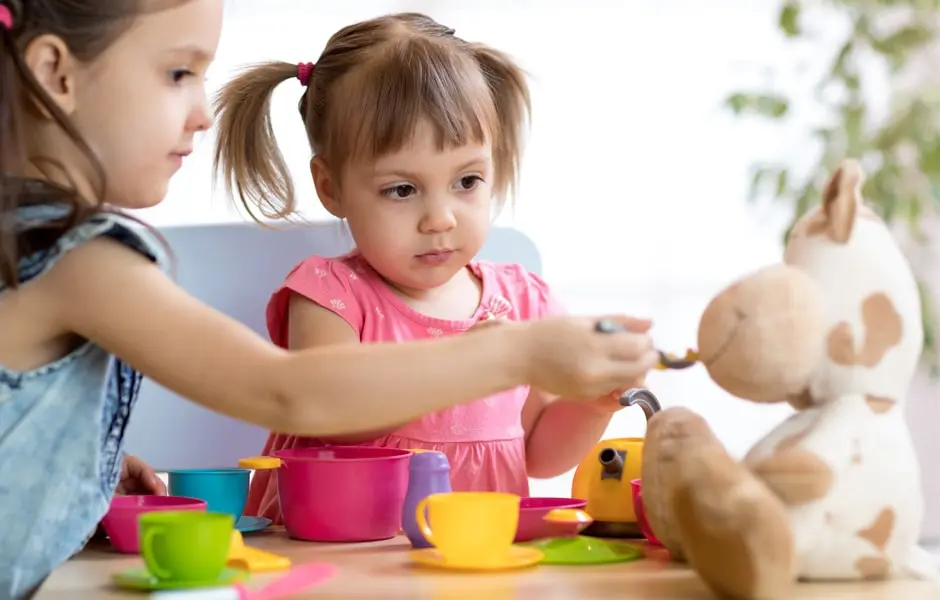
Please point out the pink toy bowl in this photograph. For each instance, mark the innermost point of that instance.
(532, 512)
(120, 522)
(342, 493)
(642, 522)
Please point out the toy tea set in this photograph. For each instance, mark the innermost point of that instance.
(193, 537)
(833, 493)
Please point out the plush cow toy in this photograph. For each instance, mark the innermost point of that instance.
(834, 492)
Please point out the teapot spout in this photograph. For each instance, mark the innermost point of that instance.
(644, 398)
(611, 463)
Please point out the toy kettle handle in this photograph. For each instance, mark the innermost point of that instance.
(644, 398)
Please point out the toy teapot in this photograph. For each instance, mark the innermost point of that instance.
(604, 475)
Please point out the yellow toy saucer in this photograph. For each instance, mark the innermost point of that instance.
(519, 557)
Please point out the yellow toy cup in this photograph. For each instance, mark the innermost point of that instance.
(471, 528)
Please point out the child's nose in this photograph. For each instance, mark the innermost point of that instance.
(200, 118)
(438, 219)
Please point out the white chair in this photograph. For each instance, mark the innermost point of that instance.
(234, 268)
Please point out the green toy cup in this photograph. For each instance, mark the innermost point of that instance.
(185, 545)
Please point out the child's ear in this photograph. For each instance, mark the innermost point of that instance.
(54, 68)
(841, 198)
(326, 187)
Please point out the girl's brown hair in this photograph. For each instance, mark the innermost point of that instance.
(372, 84)
(88, 27)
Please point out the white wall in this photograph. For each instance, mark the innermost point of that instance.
(634, 182)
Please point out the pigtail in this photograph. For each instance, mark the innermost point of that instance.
(511, 97)
(247, 157)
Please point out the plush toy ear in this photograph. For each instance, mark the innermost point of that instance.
(841, 199)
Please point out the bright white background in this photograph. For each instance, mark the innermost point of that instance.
(634, 181)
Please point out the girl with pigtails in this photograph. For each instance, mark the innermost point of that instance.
(417, 140)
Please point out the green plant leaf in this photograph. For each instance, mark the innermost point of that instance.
(808, 197)
(839, 64)
(782, 180)
(758, 174)
(773, 106)
(929, 159)
(853, 124)
(788, 20)
(903, 40)
(737, 102)
(928, 311)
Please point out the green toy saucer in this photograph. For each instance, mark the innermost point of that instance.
(584, 550)
(141, 579)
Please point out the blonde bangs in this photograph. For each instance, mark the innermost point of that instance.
(376, 110)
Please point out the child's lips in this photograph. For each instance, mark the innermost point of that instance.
(177, 157)
(435, 257)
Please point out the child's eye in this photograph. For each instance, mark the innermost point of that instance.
(399, 192)
(177, 75)
(470, 181)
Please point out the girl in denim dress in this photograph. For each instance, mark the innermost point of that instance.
(100, 102)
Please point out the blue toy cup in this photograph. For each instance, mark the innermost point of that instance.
(224, 490)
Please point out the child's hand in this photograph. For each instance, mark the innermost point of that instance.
(569, 358)
(138, 478)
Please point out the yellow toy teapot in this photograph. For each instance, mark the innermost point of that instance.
(604, 475)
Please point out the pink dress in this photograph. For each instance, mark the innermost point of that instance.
(483, 440)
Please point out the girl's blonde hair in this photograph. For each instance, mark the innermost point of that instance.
(372, 84)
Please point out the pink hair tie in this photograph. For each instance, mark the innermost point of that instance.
(304, 70)
(6, 17)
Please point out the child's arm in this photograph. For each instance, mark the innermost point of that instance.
(123, 302)
(559, 433)
(312, 326)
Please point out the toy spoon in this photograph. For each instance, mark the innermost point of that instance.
(666, 360)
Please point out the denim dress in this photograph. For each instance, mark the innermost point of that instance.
(61, 427)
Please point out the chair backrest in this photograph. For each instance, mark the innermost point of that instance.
(234, 268)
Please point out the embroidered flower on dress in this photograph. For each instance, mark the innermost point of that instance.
(497, 307)
(338, 304)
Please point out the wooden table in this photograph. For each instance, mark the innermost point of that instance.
(382, 570)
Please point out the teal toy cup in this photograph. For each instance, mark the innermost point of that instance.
(224, 490)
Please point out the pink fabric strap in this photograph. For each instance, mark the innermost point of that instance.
(304, 70)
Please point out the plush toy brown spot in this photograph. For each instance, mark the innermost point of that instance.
(883, 329)
(879, 404)
(880, 530)
(856, 452)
